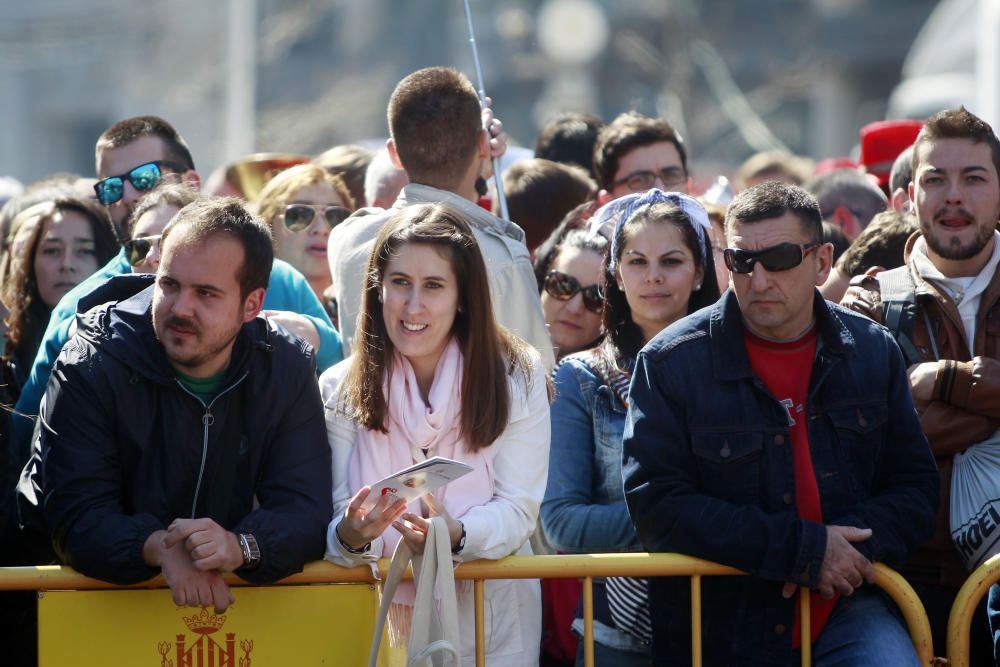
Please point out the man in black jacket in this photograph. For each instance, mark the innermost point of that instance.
(174, 408)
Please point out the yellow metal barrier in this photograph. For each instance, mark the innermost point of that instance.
(584, 566)
(962, 610)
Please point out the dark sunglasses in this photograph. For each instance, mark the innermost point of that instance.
(779, 257)
(138, 248)
(144, 177)
(300, 216)
(564, 287)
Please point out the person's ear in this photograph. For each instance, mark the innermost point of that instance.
(253, 304)
(603, 197)
(390, 146)
(699, 278)
(824, 259)
(483, 145)
(191, 177)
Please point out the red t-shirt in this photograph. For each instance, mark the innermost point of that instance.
(785, 369)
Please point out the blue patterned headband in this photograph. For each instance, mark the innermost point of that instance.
(613, 216)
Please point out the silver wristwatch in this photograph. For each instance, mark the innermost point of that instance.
(251, 551)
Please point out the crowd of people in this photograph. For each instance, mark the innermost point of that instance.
(781, 375)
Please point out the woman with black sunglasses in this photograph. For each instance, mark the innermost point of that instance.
(659, 269)
(302, 204)
(571, 295)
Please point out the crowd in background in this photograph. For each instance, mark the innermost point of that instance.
(606, 246)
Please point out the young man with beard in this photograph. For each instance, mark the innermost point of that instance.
(953, 338)
(182, 431)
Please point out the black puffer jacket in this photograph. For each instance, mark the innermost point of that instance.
(126, 448)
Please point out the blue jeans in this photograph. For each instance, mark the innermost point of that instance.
(864, 629)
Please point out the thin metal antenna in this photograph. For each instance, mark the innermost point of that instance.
(501, 199)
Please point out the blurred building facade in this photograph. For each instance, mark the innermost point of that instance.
(734, 77)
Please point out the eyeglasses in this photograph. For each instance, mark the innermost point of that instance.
(638, 181)
(300, 216)
(564, 287)
(139, 247)
(779, 257)
(144, 177)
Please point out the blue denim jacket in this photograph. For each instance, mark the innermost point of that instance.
(708, 472)
(584, 507)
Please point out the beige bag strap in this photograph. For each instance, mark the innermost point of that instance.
(401, 558)
(434, 634)
(432, 638)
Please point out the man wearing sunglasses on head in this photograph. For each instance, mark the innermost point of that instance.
(774, 432)
(635, 153)
(133, 156)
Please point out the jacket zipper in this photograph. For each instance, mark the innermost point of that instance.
(207, 420)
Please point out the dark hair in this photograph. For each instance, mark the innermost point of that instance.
(580, 239)
(625, 133)
(28, 315)
(773, 199)
(177, 195)
(957, 124)
(126, 131)
(208, 216)
(547, 249)
(489, 352)
(622, 331)
(835, 236)
(540, 192)
(435, 123)
(902, 170)
(880, 244)
(847, 188)
(350, 163)
(569, 138)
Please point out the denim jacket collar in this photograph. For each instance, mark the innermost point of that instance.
(729, 357)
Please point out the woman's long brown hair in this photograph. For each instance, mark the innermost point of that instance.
(489, 352)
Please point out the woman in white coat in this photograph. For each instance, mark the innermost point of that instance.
(435, 375)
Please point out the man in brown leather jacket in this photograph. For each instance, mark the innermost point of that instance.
(952, 338)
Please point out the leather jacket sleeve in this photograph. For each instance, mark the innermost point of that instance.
(966, 405)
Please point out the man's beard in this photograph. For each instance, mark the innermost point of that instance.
(954, 249)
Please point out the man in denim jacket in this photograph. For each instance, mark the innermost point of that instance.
(774, 432)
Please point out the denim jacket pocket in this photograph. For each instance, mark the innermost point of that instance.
(859, 430)
(609, 425)
(729, 464)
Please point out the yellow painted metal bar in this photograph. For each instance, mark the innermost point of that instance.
(964, 607)
(805, 623)
(479, 588)
(577, 566)
(912, 610)
(588, 622)
(696, 620)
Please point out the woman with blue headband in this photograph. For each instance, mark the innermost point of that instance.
(659, 269)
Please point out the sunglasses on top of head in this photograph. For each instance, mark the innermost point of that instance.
(564, 287)
(781, 257)
(143, 178)
(300, 216)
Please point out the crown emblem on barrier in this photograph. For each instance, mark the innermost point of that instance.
(205, 623)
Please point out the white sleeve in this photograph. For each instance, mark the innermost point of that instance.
(341, 432)
(520, 469)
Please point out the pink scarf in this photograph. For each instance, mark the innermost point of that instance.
(415, 426)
